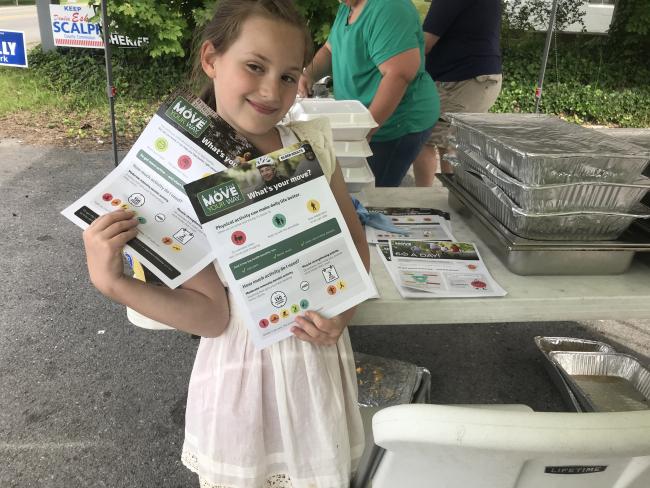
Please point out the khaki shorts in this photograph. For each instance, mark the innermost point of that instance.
(475, 95)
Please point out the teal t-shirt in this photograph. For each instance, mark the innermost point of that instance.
(384, 28)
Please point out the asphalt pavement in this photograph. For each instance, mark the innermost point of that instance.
(23, 19)
(88, 400)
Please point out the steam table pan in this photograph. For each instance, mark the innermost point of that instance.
(532, 257)
(605, 381)
(541, 149)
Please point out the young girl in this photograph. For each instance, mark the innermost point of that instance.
(285, 416)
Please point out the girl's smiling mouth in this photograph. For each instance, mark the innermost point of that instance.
(263, 109)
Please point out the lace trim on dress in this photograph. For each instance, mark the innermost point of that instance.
(274, 481)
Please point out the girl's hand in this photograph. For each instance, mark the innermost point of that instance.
(104, 240)
(318, 330)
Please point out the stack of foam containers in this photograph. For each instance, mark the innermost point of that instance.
(351, 122)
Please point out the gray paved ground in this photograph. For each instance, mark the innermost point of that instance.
(87, 400)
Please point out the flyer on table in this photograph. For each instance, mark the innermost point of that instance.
(184, 141)
(281, 241)
(415, 223)
(440, 268)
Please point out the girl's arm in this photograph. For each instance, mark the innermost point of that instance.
(320, 67)
(199, 306)
(396, 74)
(314, 327)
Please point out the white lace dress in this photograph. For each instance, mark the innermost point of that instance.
(285, 416)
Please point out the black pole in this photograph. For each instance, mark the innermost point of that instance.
(547, 47)
(110, 89)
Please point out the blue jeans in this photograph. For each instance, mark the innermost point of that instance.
(391, 160)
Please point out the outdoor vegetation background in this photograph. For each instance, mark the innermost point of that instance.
(590, 79)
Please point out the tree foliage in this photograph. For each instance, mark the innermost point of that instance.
(629, 33)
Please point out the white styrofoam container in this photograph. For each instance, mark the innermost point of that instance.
(350, 119)
(348, 152)
(358, 176)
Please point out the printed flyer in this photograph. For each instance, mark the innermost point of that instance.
(281, 241)
(184, 141)
(417, 223)
(441, 269)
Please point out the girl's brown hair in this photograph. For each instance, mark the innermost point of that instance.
(222, 31)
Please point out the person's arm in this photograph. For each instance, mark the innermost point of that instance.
(320, 67)
(314, 327)
(397, 72)
(199, 306)
(430, 40)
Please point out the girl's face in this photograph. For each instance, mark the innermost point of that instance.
(256, 79)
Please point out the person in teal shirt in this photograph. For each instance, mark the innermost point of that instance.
(375, 53)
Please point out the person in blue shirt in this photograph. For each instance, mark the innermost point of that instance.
(463, 56)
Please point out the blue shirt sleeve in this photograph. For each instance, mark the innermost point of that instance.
(442, 14)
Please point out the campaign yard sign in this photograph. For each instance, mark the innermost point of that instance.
(12, 49)
(72, 27)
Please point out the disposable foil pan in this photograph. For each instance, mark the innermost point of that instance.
(595, 195)
(541, 149)
(384, 382)
(546, 345)
(530, 257)
(567, 225)
(605, 382)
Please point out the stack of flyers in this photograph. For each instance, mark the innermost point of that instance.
(415, 223)
(443, 269)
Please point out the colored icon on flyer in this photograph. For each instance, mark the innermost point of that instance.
(304, 285)
(264, 323)
(183, 235)
(238, 238)
(274, 318)
(341, 285)
(304, 304)
(330, 274)
(161, 144)
(115, 202)
(107, 197)
(136, 199)
(159, 217)
(313, 206)
(124, 206)
(427, 219)
(295, 308)
(471, 266)
(167, 240)
(279, 220)
(184, 162)
(331, 290)
(177, 247)
(142, 220)
(479, 285)
(284, 314)
(278, 299)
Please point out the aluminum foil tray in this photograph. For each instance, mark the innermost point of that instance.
(384, 382)
(572, 225)
(530, 257)
(540, 149)
(596, 195)
(605, 382)
(546, 345)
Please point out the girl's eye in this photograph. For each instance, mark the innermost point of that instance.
(289, 79)
(254, 67)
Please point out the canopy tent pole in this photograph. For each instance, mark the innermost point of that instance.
(547, 47)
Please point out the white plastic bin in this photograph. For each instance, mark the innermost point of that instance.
(350, 119)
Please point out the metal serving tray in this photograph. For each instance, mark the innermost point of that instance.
(595, 195)
(605, 382)
(567, 225)
(546, 345)
(541, 149)
(530, 257)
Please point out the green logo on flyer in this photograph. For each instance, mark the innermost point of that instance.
(220, 197)
(188, 117)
